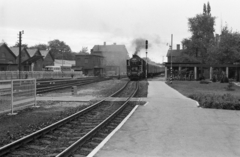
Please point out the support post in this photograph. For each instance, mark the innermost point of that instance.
(211, 71)
(166, 73)
(227, 72)
(195, 73)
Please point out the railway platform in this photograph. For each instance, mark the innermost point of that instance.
(171, 125)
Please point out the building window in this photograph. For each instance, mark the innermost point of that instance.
(86, 60)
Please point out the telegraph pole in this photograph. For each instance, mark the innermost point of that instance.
(20, 53)
(171, 77)
(146, 58)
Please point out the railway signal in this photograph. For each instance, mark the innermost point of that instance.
(146, 58)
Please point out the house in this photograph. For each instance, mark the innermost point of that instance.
(48, 59)
(7, 59)
(174, 55)
(90, 64)
(36, 59)
(115, 57)
(25, 66)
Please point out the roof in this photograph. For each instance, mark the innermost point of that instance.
(174, 53)
(109, 48)
(59, 62)
(32, 59)
(32, 52)
(4, 44)
(45, 52)
(15, 50)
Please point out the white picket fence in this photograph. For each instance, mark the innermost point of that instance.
(10, 75)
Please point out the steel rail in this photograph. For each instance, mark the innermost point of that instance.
(68, 151)
(68, 85)
(16, 144)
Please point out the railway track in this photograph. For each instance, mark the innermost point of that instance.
(77, 134)
(52, 85)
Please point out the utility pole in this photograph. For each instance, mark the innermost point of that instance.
(171, 77)
(146, 58)
(20, 52)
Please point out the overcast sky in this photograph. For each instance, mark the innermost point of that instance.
(85, 23)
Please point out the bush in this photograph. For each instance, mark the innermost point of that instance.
(214, 79)
(224, 80)
(225, 101)
(230, 86)
(205, 82)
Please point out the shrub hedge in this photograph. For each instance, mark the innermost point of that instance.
(226, 101)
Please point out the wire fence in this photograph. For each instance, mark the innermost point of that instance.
(10, 75)
(17, 94)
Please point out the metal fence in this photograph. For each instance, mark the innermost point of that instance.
(10, 75)
(17, 94)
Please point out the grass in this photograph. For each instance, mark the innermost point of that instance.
(193, 87)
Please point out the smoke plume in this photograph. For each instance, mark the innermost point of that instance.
(139, 44)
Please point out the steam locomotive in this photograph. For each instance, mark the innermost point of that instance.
(136, 68)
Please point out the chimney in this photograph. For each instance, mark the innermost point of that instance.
(178, 46)
(104, 43)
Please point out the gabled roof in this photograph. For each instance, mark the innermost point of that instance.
(5, 45)
(32, 52)
(174, 53)
(45, 52)
(15, 50)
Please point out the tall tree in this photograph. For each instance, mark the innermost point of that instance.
(60, 49)
(208, 9)
(228, 50)
(204, 9)
(202, 28)
(40, 46)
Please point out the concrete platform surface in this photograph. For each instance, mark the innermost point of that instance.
(171, 125)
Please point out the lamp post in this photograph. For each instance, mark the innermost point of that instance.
(20, 52)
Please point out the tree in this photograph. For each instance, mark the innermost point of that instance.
(40, 46)
(204, 9)
(60, 50)
(228, 49)
(202, 28)
(84, 50)
(22, 45)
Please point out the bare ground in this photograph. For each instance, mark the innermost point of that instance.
(32, 119)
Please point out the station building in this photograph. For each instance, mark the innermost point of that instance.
(193, 70)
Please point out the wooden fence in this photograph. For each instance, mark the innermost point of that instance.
(10, 75)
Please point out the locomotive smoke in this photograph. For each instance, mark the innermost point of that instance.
(139, 44)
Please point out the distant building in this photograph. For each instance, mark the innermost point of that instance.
(89, 64)
(7, 59)
(60, 62)
(36, 59)
(48, 59)
(174, 55)
(115, 57)
(26, 66)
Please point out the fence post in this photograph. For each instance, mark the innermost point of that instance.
(12, 113)
(35, 92)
